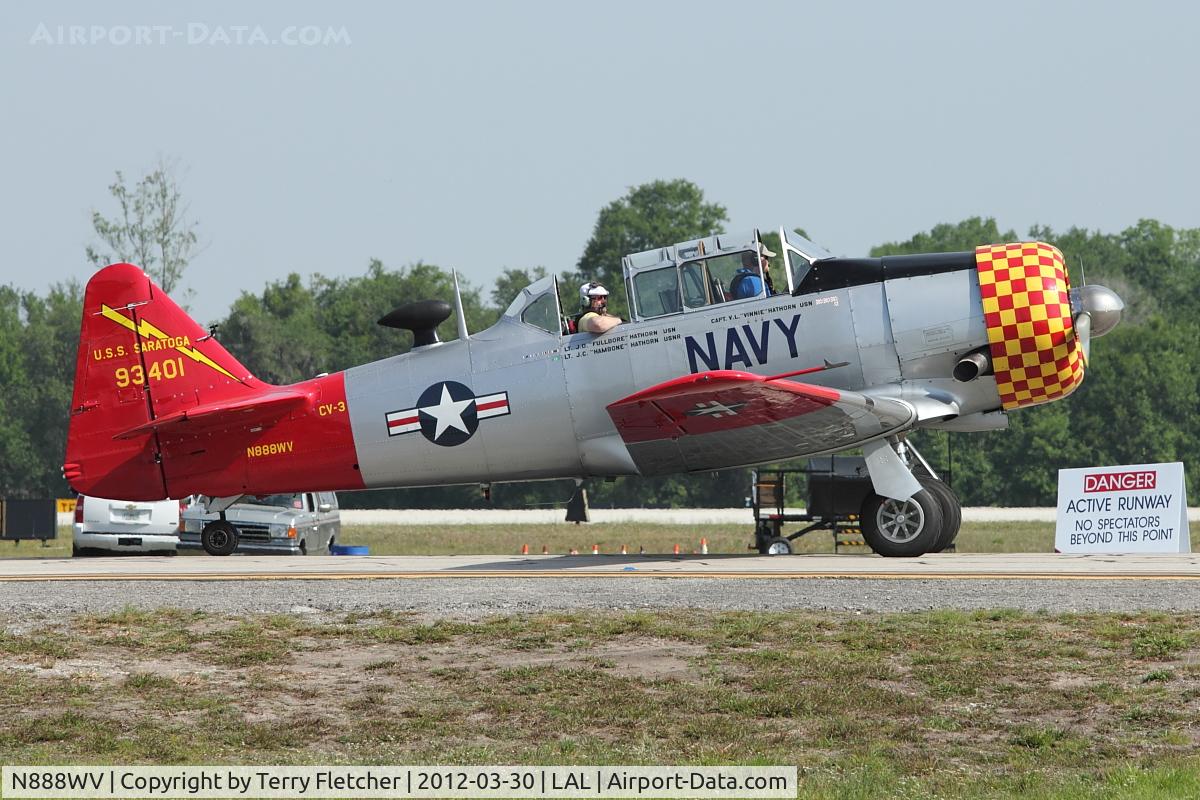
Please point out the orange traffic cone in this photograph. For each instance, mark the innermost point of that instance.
(703, 546)
(595, 549)
(545, 550)
(624, 550)
(525, 549)
(677, 548)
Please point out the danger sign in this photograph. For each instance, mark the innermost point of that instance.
(1126, 509)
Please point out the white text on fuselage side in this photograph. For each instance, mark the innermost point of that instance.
(745, 345)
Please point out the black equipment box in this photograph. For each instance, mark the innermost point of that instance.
(28, 519)
(837, 486)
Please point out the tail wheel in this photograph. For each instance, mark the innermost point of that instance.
(951, 511)
(220, 538)
(909, 527)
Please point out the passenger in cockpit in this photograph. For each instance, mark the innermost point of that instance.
(748, 280)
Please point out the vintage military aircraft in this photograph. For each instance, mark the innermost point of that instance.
(849, 353)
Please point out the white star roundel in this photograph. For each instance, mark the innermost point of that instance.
(447, 413)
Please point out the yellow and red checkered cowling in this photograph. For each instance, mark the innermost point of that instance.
(1027, 309)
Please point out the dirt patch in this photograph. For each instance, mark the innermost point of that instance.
(111, 667)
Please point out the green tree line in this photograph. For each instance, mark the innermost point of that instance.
(1137, 404)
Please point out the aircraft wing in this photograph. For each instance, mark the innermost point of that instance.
(258, 408)
(728, 418)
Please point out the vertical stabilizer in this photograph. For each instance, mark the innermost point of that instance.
(140, 357)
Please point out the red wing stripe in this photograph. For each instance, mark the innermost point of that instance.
(395, 423)
(491, 405)
(691, 405)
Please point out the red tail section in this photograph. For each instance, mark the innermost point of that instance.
(161, 409)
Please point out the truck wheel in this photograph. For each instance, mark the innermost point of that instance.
(902, 528)
(777, 546)
(220, 538)
(951, 511)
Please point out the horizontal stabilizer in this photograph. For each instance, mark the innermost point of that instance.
(258, 408)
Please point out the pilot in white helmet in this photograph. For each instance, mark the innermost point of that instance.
(593, 316)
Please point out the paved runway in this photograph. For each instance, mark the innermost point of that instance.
(950, 566)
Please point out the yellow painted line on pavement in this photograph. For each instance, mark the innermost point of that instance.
(357, 576)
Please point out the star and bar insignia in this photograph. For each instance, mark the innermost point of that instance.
(447, 413)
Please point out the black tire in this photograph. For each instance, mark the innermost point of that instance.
(951, 511)
(902, 528)
(777, 546)
(220, 538)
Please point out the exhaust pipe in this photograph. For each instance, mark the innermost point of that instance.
(973, 364)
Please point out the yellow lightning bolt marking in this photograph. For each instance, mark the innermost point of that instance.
(147, 331)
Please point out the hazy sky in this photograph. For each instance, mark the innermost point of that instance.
(488, 135)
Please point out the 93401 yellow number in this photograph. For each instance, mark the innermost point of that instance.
(166, 370)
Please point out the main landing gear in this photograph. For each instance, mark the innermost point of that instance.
(927, 522)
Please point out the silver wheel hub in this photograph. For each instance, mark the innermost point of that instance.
(900, 521)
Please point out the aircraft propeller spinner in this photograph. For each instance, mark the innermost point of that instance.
(1097, 311)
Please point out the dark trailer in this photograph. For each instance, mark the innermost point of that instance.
(839, 495)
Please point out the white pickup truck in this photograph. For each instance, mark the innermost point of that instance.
(106, 527)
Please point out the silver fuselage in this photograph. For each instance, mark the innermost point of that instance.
(899, 338)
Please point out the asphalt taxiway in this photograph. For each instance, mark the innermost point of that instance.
(946, 566)
(472, 587)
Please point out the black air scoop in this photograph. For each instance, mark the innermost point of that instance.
(421, 317)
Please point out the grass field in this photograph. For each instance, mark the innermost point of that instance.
(1007, 537)
(992, 537)
(935, 704)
